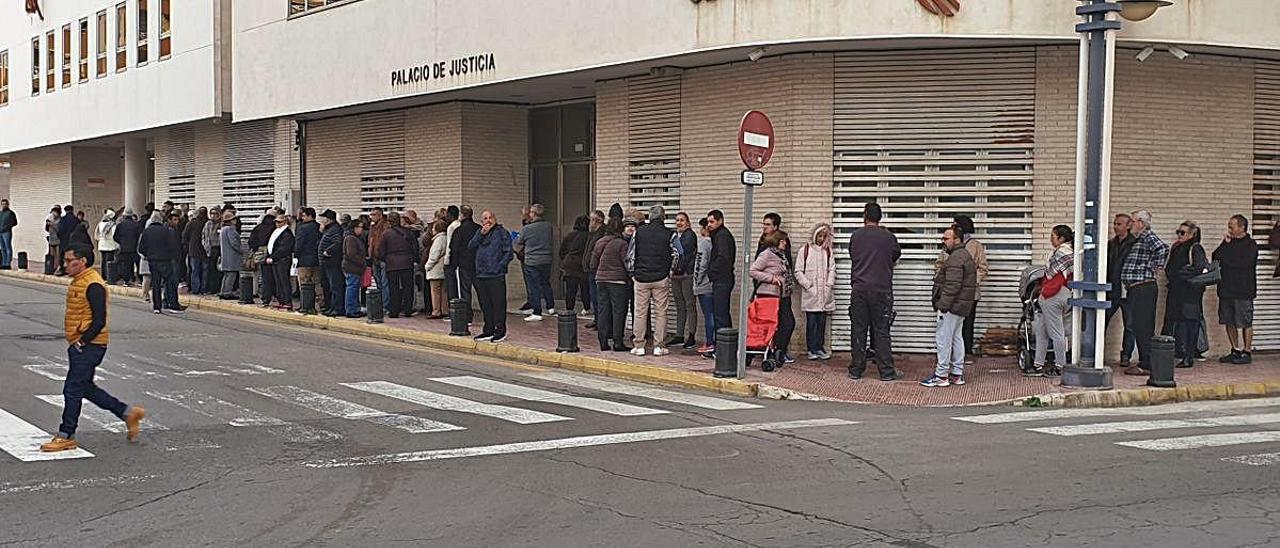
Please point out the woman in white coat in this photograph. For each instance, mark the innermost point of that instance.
(433, 265)
(107, 246)
(816, 274)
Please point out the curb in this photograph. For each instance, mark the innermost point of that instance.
(575, 362)
(1135, 397)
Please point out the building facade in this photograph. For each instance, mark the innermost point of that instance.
(401, 104)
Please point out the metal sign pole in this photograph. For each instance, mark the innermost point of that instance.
(744, 297)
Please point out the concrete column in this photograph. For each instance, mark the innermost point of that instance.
(137, 173)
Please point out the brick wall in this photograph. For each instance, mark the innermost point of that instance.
(495, 169)
(38, 179)
(433, 157)
(612, 177)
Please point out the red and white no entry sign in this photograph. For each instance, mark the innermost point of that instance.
(755, 139)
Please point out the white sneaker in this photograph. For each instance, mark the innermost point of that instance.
(813, 357)
(526, 311)
(533, 318)
(660, 351)
(551, 312)
(637, 351)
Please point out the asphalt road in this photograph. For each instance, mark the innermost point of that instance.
(272, 436)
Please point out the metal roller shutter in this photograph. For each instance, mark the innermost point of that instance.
(248, 171)
(653, 134)
(929, 135)
(382, 161)
(181, 162)
(1266, 200)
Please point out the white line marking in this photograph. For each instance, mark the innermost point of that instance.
(335, 407)
(1197, 442)
(449, 403)
(1070, 413)
(1146, 426)
(534, 394)
(139, 371)
(22, 440)
(48, 370)
(99, 417)
(236, 415)
(178, 370)
(566, 443)
(1261, 459)
(15, 488)
(695, 400)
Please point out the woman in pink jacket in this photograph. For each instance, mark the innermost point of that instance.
(816, 273)
(773, 276)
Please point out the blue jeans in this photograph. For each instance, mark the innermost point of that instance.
(353, 293)
(197, 269)
(80, 386)
(6, 249)
(708, 318)
(595, 294)
(538, 283)
(380, 276)
(815, 331)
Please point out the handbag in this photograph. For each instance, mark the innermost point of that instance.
(1211, 275)
(253, 259)
(366, 279)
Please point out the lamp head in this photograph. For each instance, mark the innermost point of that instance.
(1138, 10)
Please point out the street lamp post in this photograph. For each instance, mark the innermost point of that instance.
(1093, 184)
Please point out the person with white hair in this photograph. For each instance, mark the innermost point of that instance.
(1146, 259)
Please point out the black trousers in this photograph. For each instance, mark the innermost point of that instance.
(721, 295)
(871, 313)
(212, 272)
(1140, 310)
(786, 325)
(334, 285)
(126, 267)
(492, 293)
(281, 283)
(401, 286)
(466, 285)
(575, 288)
(611, 319)
(966, 331)
(109, 258)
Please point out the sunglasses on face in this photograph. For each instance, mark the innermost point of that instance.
(1182, 232)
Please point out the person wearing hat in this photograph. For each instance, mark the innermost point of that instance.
(231, 261)
(211, 237)
(107, 245)
(653, 250)
(331, 278)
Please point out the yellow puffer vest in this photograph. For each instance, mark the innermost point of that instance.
(79, 315)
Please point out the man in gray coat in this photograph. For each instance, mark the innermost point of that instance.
(534, 244)
(955, 288)
(232, 253)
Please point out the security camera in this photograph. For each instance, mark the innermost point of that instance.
(755, 54)
(1178, 52)
(1145, 53)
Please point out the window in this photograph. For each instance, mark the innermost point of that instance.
(142, 32)
(102, 44)
(4, 78)
(299, 7)
(166, 47)
(66, 55)
(50, 61)
(35, 66)
(84, 50)
(122, 37)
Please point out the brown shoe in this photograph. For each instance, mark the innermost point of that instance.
(133, 421)
(59, 443)
(1136, 371)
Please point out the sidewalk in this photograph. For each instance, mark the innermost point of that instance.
(989, 380)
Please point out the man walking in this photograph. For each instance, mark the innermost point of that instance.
(86, 333)
(1238, 257)
(873, 251)
(1146, 258)
(463, 257)
(653, 248)
(8, 220)
(159, 244)
(491, 247)
(534, 244)
(720, 269)
(1117, 252)
(955, 290)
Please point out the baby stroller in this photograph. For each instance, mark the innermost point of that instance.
(1029, 292)
(762, 325)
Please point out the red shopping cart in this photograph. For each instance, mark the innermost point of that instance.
(762, 325)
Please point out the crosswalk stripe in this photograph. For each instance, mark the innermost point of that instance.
(1146, 426)
(694, 400)
(1261, 459)
(538, 395)
(236, 415)
(1209, 440)
(449, 403)
(179, 371)
(1071, 413)
(98, 416)
(22, 440)
(335, 407)
(566, 443)
(50, 370)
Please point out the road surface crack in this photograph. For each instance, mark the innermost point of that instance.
(159, 498)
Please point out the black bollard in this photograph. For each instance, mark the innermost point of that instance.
(48, 265)
(726, 352)
(567, 331)
(246, 288)
(22, 260)
(307, 296)
(107, 271)
(1162, 357)
(373, 304)
(458, 309)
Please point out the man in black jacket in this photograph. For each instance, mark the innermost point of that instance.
(720, 270)
(1117, 250)
(873, 252)
(257, 243)
(128, 231)
(280, 248)
(159, 244)
(307, 249)
(331, 264)
(653, 250)
(8, 220)
(463, 257)
(1238, 257)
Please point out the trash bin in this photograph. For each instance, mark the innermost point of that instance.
(1162, 361)
(726, 353)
